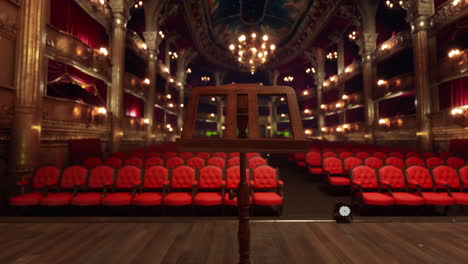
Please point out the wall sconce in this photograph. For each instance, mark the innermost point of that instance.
(339, 129)
(171, 105)
(188, 70)
(181, 105)
(348, 69)
(143, 46)
(353, 35)
(213, 99)
(339, 105)
(307, 111)
(323, 106)
(168, 96)
(282, 99)
(385, 46)
(161, 34)
(212, 115)
(283, 115)
(166, 69)
(460, 115)
(310, 70)
(288, 79)
(268, 127)
(308, 132)
(305, 93)
(324, 129)
(103, 51)
(205, 78)
(453, 53)
(382, 82)
(333, 78)
(146, 121)
(102, 111)
(326, 83)
(171, 80)
(147, 81)
(346, 127)
(384, 123)
(332, 55)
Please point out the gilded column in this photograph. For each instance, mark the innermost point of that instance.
(317, 60)
(367, 44)
(30, 86)
(338, 39)
(120, 12)
(418, 14)
(152, 42)
(186, 56)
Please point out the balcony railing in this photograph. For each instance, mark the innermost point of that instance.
(137, 45)
(68, 49)
(451, 68)
(134, 85)
(393, 45)
(397, 84)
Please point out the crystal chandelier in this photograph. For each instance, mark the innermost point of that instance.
(252, 51)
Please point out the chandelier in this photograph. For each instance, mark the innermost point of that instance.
(252, 51)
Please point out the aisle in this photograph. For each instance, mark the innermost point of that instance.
(304, 197)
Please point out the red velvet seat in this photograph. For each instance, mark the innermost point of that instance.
(411, 161)
(73, 177)
(92, 162)
(397, 155)
(333, 168)
(153, 155)
(345, 155)
(134, 161)
(168, 155)
(154, 161)
(139, 155)
(120, 155)
(181, 187)
(362, 155)
(211, 187)
(128, 179)
(455, 162)
(196, 162)
(100, 179)
(220, 155)
(254, 162)
(208, 199)
(394, 161)
(373, 162)
(434, 162)
(392, 177)
(447, 177)
(233, 162)
(380, 155)
(412, 154)
(329, 154)
(267, 189)
(174, 162)
(419, 179)
(155, 181)
(234, 154)
(217, 161)
(113, 162)
(445, 155)
(250, 155)
(44, 178)
(186, 155)
(350, 163)
(364, 183)
(314, 162)
(427, 155)
(232, 181)
(299, 158)
(204, 155)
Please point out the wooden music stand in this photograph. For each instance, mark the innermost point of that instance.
(242, 113)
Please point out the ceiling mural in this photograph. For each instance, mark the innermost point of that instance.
(228, 19)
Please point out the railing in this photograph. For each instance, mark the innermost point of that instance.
(396, 84)
(397, 122)
(134, 123)
(451, 68)
(347, 101)
(134, 84)
(448, 13)
(137, 45)
(393, 45)
(69, 49)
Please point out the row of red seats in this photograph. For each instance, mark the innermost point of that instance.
(128, 185)
(184, 155)
(413, 186)
(194, 162)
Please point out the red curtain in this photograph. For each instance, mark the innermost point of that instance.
(355, 115)
(159, 115)
(68, 16)
(133, 105)
(59, 73)
(453, 93)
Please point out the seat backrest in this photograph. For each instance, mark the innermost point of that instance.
(234, 154)
(203, 155)
(153, 155)
(101, 176)
(419, 174)
(220, 155)
(464, 175)
(434, 162)
(73, 176)
(333, 165)
(154, 161)
(250, 155)
(45, 175)
(174, 162)
(351, 162)
(365, 175)
(412, 154)
(345, 155)
(217, 161)
(233, 176)
(186, 155)
(355, 150)
(446, 174)
(397, 155)
(210, 177)
(169, 154)
(137, 154)
(299, 156)
(362, 155)
(151, 149)
(233, 161)
(182, 177)
(455, 162)
(373, 162)
(445, 155)
(411, 161)
(329, 154)
(327, 149)
(128, 177)
(155, 177)
(196, 162)
(255, 162)
(427, 155)
(114, 162)
(380, 155)
(134, 161)
(138, 150)
(119, 155)
(393, 176)
(313, 158)
(394, 161)
(92, 162)
(265, 177)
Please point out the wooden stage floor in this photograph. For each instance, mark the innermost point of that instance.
(211, 241)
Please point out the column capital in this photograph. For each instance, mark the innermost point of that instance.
(152, 40)
(120, 12)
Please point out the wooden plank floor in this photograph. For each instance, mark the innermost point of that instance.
(216, 242)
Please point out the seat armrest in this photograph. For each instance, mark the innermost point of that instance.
(440, 183)
(23, 182)
(251, 183)
(414, 183)
(355, 182)
(280, 182)
(385, 184)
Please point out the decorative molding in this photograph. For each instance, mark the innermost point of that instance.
(393, 45)
(134, 43)
(9, 22)
(448, 13)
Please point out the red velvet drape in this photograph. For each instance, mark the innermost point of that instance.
(453, 93)
(68, 16)
(133, 105)
(159, 115)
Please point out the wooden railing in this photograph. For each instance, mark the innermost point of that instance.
(401, 83)
(451, 68)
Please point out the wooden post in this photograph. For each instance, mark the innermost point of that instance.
(244, 215)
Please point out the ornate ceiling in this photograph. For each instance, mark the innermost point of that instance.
(291, 24)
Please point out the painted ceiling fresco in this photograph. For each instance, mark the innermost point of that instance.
(227, 19)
